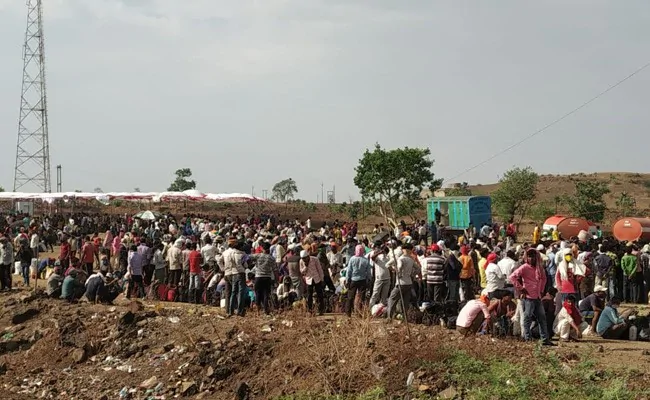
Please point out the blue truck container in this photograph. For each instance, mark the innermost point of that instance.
(458, 212)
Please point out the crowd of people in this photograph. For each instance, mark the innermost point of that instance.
(477, 281)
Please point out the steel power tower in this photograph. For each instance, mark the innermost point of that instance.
(33, 147)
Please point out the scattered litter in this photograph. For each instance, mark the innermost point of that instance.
(125, 368)
(174, 320)
(287, 323)
(241, 336)
(140, 332)
(410, 379)
(8, 336)
(267, 329)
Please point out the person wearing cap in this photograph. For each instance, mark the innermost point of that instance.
(405, 271)
(312, 271)
(6, 262)
(592, 306)
(495, 278)
(530, 280)
(435, 274)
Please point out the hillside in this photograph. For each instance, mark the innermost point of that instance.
(551, 186)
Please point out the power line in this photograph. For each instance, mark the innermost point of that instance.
(545, 127)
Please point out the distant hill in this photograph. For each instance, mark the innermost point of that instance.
(551, 186)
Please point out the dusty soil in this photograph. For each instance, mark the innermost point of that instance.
(53, 349)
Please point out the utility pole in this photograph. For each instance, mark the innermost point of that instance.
(59, 179)
(33, 145)
(252, 190)
(322, 193)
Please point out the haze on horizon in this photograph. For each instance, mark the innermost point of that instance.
(248, 93)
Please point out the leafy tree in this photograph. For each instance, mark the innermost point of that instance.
(77, 191)
(395, 179)
(182, 181)
(2, 189)
(626, 204)
(284, 190)
(137, 190)
(540, 211)
(588, 202)
(354, 210)
(98, 190)
(459, 190)
(516, 192)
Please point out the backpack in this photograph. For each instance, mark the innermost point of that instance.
(161, 291)
(171, 294)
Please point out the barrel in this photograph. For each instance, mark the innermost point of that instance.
(567, 226)
(630, 229)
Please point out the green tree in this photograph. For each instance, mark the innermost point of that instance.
(395, 179)
(626, 204)
(2, 189)
(137, 190)
(98, 190)
(588, 201)
(182, 181)
(284, 190)
(540, 211)
(516, 192)
(461, 189)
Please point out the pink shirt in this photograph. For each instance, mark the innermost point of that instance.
(526, 277)
(469, 313)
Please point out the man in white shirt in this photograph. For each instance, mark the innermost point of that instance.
(35, 243)
(209, 253)
(378, 260)
(405, 270)
(508, 263)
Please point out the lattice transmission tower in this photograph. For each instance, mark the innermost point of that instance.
(33, 146)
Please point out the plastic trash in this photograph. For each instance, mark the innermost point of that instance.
(174, 320)
(410, 379)
(633, 333)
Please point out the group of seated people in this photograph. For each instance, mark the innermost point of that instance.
(74, 284)
(569, 319)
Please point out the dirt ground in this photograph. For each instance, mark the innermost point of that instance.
(153, 350)
(51, 349)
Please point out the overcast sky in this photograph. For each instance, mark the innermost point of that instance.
(247, 93)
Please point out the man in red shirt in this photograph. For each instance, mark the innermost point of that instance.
(88, 255)
(196, 260)
(65, 254)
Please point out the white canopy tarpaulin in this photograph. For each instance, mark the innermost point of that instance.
(105, 198)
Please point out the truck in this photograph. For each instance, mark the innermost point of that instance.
(456, 212)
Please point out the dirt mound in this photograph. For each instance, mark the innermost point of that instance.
(168, 350)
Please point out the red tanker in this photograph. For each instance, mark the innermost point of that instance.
(631, 228)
